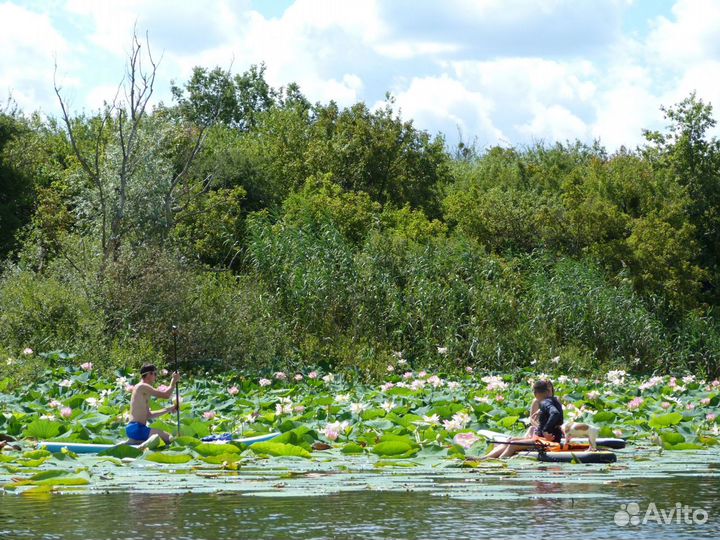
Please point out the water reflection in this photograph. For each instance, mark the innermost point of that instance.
(546, 509)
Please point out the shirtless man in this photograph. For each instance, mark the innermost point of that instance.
(140, 413)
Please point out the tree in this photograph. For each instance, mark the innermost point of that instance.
(120, 152)
(686, 152)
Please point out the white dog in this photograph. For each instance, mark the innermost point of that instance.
(578, 429)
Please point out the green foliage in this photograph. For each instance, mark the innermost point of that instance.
(46, 313)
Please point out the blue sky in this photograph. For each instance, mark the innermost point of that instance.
(508, 72)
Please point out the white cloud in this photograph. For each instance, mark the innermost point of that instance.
(554, 123)
(29, 43)
(690, 37)
(446, 105)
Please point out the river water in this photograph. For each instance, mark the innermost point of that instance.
(678, 507)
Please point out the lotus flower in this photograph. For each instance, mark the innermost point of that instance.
(635, 403)
(209, 415)
(66, 412)
(87, 366)
(233, 391)
(265, 382)
(357, 408)
(299, 377)
(313, 375)
(27, 351)
(466, 440)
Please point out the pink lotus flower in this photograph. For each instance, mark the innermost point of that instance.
(299, 409)
(618, 432)
(209, 415)
(705, 401)
(469, 369)
(313, 375)
(422, 374)
(690, 406)
(54, 404)
(264, 382)
(499, 398)
(280, 375)
(715, 383)
(66, 412)
(665, 405)
(87, 366)
(298, 377)
(466, 440)
(408, 375)
(233, 391)
(636, 403)
(27, 351)
(387, 386)
(710, 417)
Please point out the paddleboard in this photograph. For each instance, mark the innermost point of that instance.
(598, 456)
(152, 442)
(614, 444)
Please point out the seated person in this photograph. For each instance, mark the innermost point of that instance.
(550, 420)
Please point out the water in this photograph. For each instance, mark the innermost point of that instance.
(493, 507)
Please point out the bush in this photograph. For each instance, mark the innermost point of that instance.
(44, 313)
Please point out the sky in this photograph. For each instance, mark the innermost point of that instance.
(489, 72)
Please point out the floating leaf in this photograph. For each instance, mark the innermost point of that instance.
(173, 458)
(208, 449)
(394, 448)
(122, 451)
(352, 448)
(221, 458)
(279, 449)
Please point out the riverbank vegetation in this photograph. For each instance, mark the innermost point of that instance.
(282, 235)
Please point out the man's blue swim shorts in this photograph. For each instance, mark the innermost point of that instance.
(137, 431)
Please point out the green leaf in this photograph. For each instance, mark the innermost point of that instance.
(64, 481)
(508, 421)
(36, 454)
(672, 437)
(186, 440)
(394, 448)
(221, 458)
(43, 429)
(279, 449)
(52, 473)
(664, 420)
(122, 451)
(352, 448)
(604, 417)
(208, 449)
(173, 458)
(685, 446)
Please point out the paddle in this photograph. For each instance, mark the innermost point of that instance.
(177, 385)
